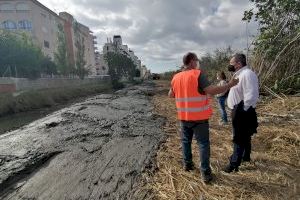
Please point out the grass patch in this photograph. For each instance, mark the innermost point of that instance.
(30, 100)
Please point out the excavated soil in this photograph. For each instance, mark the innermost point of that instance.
(96, 149)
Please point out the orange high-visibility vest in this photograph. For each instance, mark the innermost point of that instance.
(191, 105)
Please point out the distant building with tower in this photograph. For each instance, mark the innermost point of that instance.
(116, 45)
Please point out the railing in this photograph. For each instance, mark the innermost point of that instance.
(21, 84)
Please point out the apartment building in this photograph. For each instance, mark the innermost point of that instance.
(75, 31)
(41, 24)
(116, 45)
(33, 18)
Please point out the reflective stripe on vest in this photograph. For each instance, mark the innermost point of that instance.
(191, 99)
(201, 109)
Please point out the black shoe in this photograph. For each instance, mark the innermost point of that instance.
(189, 167)
(207, 177)
(229, 168)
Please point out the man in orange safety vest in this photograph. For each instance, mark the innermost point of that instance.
(190, 88)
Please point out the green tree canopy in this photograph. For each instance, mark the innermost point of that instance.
(20, 57)
(120, 66)
(61, 54)
(212, 63)
(276, 54)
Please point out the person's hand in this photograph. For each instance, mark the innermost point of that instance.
(171, 93)
(233, 82)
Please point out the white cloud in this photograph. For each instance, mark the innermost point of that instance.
(162, 31)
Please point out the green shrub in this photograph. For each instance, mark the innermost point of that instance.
(117, 85)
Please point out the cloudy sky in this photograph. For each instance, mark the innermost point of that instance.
(161, 31)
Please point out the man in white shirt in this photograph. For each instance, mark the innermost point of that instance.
(242, 100)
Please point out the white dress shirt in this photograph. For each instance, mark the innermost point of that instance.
(246, 89)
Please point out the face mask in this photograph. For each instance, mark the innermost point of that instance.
(231, 68)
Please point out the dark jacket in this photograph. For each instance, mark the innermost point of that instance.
(244, 122)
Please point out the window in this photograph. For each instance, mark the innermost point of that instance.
(46, 44)
(9, 25)
(22, 7)
(25, 25)
(7, 7)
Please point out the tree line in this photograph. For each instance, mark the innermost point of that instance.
(276, 53)
(120, 67)
(22, 58)
(210, 63)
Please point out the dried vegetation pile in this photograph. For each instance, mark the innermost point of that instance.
(273, 174)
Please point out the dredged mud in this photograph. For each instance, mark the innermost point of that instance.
(96, 149)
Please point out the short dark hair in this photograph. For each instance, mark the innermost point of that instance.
(239, 57)
(187, 58)
(222, 75)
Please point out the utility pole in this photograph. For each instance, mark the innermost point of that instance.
(16, 72)
(247, 35)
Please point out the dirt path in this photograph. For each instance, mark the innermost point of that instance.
(273, 174)
(95, 149)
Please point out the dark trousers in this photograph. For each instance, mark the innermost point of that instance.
(201, 132)
(244, 125)
(241, 151)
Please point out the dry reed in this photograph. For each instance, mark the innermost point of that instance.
(273, 174)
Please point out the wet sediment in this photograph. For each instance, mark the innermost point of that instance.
(95, 149)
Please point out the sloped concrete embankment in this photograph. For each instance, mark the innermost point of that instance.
(95, 149)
